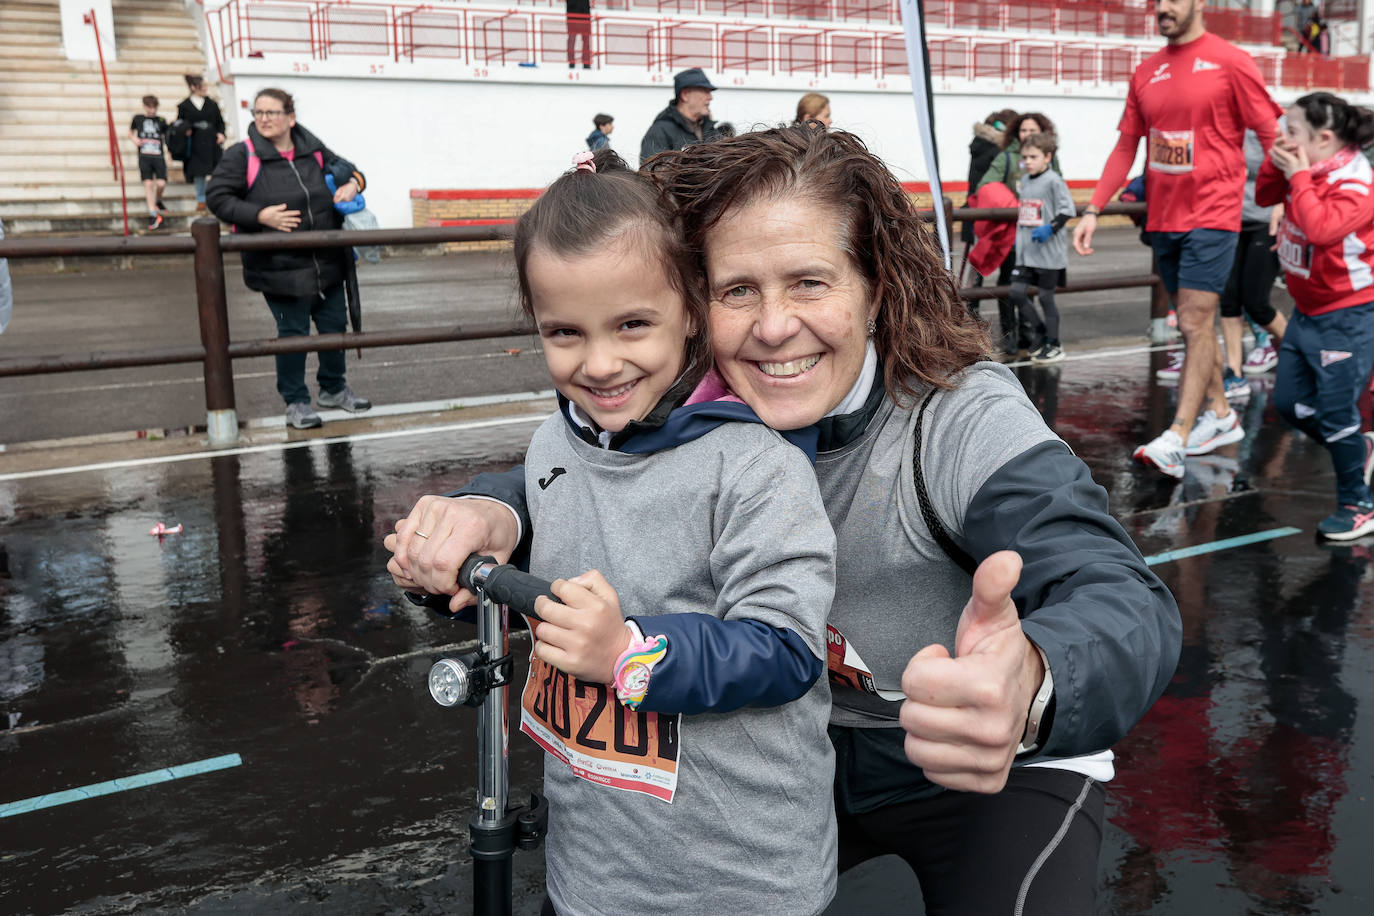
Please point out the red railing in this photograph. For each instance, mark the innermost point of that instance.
(116, 158)
(1125, 18)
(485, 37)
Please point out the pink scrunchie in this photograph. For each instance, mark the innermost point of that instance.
(584, 162)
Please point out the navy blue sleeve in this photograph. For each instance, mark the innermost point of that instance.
(715, 665)
(506, 487)
(1109, 627)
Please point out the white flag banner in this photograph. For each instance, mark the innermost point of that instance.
(913, 23)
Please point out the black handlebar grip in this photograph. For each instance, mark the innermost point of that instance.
(508, 585)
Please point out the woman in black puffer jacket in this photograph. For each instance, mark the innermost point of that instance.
(982, 149)
(281, 187)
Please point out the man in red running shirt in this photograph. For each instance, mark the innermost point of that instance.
(1192, 100)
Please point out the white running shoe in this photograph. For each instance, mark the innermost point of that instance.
(1164, 453)
(1171, 372)
(1210, 432)
(1261, 360)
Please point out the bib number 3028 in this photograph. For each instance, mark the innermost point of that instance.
(601, 741)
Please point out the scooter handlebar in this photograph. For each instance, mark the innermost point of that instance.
(504, 584)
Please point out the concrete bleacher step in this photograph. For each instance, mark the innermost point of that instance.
(88, 224)
(74, 176)
(86, 143)
(65, 185)
(178, 195)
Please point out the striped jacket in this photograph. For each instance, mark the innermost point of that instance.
(1326, 241)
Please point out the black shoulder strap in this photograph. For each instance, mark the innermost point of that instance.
(937, 528)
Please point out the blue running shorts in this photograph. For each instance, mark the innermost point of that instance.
(1198, 259)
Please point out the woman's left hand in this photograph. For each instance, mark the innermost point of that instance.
(219, 139)
(347, 192)
(965, 716)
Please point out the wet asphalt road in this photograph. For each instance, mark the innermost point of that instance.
(269, 629)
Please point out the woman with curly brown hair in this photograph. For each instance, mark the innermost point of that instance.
(972, 710)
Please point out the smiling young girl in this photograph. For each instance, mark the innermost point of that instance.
(682, 709)
(1326, 248)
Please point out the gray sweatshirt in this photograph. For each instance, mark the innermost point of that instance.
(1043, 197)
(731, 525)
(997, 478)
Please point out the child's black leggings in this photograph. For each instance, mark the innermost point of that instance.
(1045, 279)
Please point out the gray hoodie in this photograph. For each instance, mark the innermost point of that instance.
(729, 525)
(1043, 197)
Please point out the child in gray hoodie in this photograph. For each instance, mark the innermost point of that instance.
(681, 710)
(1042, 246)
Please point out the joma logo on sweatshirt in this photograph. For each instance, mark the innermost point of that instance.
(553, 475)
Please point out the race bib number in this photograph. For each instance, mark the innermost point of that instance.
(846, 668)
(586, 727)
(1031, 213)
(1171, 151)
(1295, 255)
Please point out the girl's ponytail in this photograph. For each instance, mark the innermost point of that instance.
(1364, 127)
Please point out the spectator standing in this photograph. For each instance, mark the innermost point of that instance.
(579, 26)
(982, 149)
(204, 136)
(1303, 10)
(1006, 169)
(813, 107)
(686, 120)
(1317, 36)
(600, 137)
(148, 133)
(274, 181)
(1042, 247)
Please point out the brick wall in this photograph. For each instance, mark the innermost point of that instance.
(463, 207)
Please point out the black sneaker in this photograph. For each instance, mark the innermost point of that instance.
(1051, 352)
(161, 206)
(154, 221)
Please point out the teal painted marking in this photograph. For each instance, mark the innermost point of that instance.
(137, 781)
(1170, 555)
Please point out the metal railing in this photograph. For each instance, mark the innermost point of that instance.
(217, 350)
(480, 38)
(116, 158)
(1124, 18)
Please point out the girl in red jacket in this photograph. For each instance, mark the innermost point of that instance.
(1326, 249)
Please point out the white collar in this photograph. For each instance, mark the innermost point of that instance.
(858, 395)
(581, 419)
